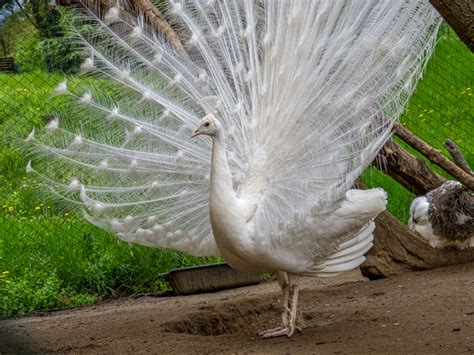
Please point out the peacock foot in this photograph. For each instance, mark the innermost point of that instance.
(279, 331)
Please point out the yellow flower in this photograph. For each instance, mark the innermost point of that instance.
(5, 272)
(10, 208)
(37, 208)
(8, 282)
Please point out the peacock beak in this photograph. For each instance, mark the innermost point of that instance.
(196, 133)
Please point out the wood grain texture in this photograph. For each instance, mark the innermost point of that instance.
(459, 14)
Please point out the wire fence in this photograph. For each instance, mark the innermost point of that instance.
(32, 63)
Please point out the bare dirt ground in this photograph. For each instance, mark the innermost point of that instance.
(429, 312)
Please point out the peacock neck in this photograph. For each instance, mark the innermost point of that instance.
(221, 178)
(227, 219)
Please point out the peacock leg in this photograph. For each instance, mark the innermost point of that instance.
(289, 285)
(284, 284)
(294, 288)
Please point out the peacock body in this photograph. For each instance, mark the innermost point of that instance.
(297, 97)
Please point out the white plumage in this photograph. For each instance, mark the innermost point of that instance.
(297, 96)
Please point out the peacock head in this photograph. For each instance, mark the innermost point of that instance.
(209, 125)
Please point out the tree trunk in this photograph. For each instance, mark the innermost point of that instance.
(409, 171)
(459, 14)
(397, 249)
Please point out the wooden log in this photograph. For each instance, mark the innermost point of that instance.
(411, 172)
(459, 14)
(434, 156)
(397, 249)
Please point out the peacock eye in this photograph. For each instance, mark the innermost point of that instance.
(207, 124)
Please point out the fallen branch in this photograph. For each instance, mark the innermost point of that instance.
(457, 156)
(397, 249)
(434, 156)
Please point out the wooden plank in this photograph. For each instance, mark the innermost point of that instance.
(7, 64)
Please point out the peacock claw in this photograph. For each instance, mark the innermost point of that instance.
(279, 331)
(272, 330)
(276, 332)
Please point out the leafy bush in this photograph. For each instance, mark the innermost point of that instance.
(36, 289)
(28, 53)
(51, 47)
(57, 55)
(60, 53)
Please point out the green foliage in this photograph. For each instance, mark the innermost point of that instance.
(60, 52)
(45, 17)
(38, 38)
(57, 55)
(28, 53)
(35, 289)
(11, 27)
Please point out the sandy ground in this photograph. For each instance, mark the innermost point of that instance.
(429, 312)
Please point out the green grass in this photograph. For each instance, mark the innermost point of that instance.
(50, 259)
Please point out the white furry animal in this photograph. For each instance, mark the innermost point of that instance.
(445, 216)
(291, 93)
